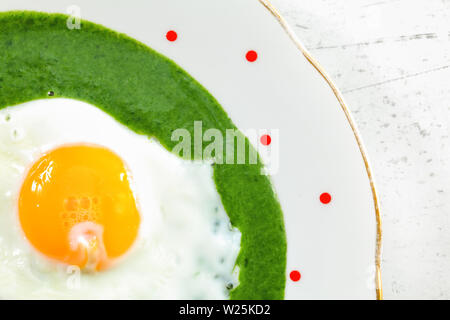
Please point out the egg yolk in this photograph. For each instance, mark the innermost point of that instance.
(76, 206)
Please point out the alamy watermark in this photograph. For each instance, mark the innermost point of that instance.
(74, 20)
(73, 281)
(230, 147)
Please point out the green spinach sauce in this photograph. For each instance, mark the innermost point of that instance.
(153, 96)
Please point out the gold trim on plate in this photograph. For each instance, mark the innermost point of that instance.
(337, 93)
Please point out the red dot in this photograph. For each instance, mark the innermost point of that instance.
(325, 198)
(251, 56)
(295, 275)
(266, 139)
(171, 35)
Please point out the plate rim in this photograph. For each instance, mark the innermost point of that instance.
(379, 232)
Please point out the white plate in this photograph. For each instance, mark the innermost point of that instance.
(335, 246)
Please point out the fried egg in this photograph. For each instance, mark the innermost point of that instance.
(92, 210)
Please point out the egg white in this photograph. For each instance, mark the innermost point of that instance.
(186, 247)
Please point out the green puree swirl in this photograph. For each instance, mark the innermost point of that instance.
(153, 96)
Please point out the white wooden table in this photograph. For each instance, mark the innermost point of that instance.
(391, 60)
